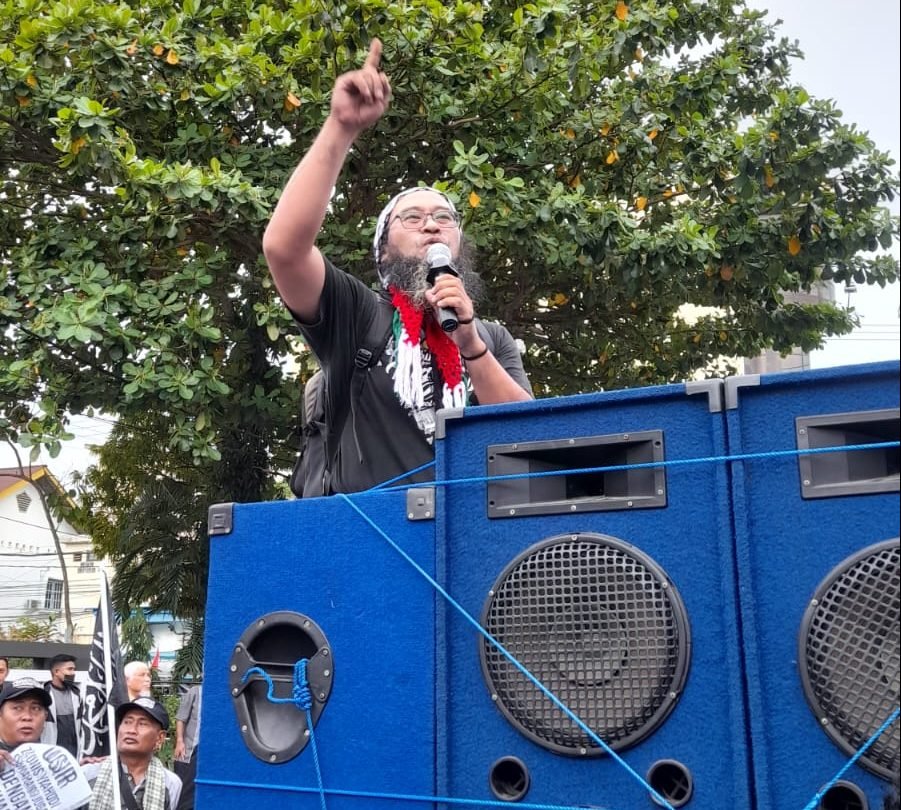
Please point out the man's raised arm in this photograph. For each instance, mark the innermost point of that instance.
(359, 99)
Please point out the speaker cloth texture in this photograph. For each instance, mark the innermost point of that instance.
(600, 625)
(851, 654)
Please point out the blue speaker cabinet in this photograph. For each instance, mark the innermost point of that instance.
(612, 584)
(313, 581)
(817, 548)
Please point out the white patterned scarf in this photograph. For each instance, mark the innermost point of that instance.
(154, 788)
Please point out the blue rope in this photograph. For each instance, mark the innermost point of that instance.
(302, 698)
(401, 477)
(301, 693)
(645, 465)
(815, 801)
(512, 659)
(406, 797)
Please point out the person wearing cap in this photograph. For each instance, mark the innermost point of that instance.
(141, 727)
(391, 429)
(63, 726)
(23, 712)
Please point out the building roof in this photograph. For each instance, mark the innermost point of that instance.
(12, 480)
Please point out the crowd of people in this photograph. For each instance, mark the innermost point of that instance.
(142, 726)
(50, 713)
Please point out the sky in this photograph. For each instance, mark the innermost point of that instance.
(853, 56)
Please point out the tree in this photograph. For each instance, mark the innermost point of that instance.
(146, 508)
(136, 637)
(189, 659)
(28, 629)
(613, 161)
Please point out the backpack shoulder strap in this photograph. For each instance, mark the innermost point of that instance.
(370, 346)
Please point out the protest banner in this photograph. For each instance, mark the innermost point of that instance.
(44, 777)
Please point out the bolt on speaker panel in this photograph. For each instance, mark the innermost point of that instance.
(848, 649)
(600, 625)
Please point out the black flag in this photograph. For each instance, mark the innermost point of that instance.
(105, 683)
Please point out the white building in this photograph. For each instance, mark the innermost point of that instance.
(796, 360)
(168, 635)
(31, 580)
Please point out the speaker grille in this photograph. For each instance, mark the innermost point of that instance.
(849, 646)
(598, 623)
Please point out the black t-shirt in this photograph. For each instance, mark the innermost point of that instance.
(380, 440)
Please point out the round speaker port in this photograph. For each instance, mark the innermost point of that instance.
(672, 780)
(843, 796)
(509, 779)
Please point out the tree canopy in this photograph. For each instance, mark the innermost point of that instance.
(614, 161)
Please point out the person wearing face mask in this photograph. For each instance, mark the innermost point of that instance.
(388, 422)
(63, 726)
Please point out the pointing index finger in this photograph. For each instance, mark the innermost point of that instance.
(374, 57)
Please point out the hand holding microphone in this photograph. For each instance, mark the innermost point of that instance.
(438, 258)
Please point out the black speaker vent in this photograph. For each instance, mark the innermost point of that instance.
(849, 654)
(598, 623)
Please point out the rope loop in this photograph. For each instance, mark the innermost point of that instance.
(302, 699)
(301, 696)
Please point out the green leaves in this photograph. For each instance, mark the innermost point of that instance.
(594, 151)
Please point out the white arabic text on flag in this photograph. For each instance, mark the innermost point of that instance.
(105, 682)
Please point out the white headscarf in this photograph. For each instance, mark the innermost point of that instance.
(382, 222)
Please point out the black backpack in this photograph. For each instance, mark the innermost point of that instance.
(319, 443)
(309, 468)
(312, 473)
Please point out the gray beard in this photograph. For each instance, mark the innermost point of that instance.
(411, 276)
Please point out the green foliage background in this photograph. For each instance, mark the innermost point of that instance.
(614, 161)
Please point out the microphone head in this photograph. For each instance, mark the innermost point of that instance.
(438, 255)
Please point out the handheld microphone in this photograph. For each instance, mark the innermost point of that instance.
(438, 258)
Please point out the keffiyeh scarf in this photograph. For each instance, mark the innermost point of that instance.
(409, 368)
(418, 342)
(154, 788)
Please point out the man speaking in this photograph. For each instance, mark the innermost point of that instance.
(383, 406)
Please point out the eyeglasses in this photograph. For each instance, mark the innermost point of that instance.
(413, 220)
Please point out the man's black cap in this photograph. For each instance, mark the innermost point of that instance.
(147, 705)
(19, 687)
